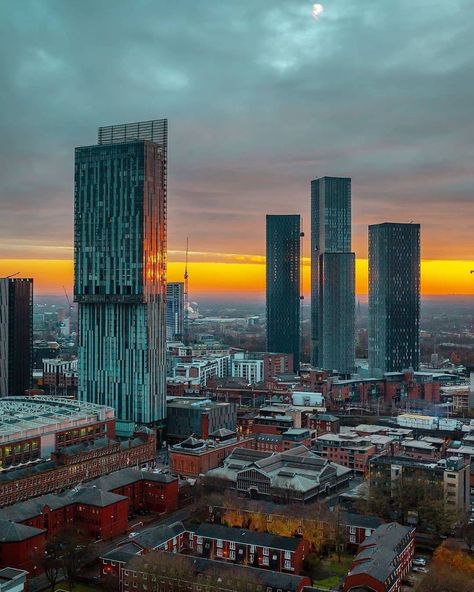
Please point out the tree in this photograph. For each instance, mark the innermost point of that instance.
(397, 500)
(452, 570)
(467, 533)
(52, 561)
(73, 545)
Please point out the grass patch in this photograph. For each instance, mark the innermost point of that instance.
(330, 572)
(331, 582)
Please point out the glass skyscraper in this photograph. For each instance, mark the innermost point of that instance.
(16, 335)
(283, 285)
(394, 297)
(120, 270)
(175, 311)
(332, 276)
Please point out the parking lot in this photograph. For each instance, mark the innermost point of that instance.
(418, 571)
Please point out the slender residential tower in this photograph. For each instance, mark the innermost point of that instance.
(394, 297)
(332, 275)
(283, 285)
(16, 335)
(175, 311)
(120, 270)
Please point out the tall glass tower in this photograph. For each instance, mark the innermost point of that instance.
(16, 335)
(175, 311)
(332, 275)
(394, 297)
(283, 285)
(120, 270)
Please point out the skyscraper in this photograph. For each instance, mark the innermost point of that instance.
(394, 297)
(332, 275)
(283, 285)
(120, 270)
(16, 335)
(175, 311)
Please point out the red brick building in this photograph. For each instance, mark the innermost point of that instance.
(353, 451)
(132, 576)
(101, 510)
(76, 464)
(324, 423)
(21, 547)
(257, 549)
(383, 561)
(195, 457)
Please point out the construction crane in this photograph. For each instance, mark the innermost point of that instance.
(70, 309)
(186, 296)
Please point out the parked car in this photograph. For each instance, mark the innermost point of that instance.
(420, 570)
(419, 561)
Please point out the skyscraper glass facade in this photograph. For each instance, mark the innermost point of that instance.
(16, 335)
(283, 285)
(394, 297)
(120, 270)
(332, 275)
(175, 311)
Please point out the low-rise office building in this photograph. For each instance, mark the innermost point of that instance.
(198, 416)
(197, 456)
(353, 451)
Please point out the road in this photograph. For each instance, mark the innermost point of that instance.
(100, 548)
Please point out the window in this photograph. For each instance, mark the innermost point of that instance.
(265, 550)
(219, 544)
(352, 530)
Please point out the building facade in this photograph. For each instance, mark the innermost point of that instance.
(120, 270)
(283, 285)
(198, 416)
(394, 297)
(332, 275)
(175, 311)
(16, 335)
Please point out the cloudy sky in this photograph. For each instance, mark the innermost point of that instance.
(260, 97)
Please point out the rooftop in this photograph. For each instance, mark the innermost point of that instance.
(250, 537)
(22, 417)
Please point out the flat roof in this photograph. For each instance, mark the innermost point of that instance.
(27, 417)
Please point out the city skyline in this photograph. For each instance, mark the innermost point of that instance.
(406, 146)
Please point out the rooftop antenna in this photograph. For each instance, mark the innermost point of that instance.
(186, 295)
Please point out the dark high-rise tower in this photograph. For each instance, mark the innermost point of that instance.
(175, 311)
(120, 270)
(16, 335)
(283, 285)
(394, 297)
(332, 275)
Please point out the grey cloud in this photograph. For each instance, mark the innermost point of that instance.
(260, 98)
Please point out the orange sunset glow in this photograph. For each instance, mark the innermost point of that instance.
(438, 277)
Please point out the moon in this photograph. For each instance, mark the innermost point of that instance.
(317, 10)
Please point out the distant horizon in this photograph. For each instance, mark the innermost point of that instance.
(243, 276)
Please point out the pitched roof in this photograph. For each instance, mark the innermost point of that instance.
(250, 537)
(11, 532)
(378, 554)
(93, 496)
(33, 507)
(155, 537)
